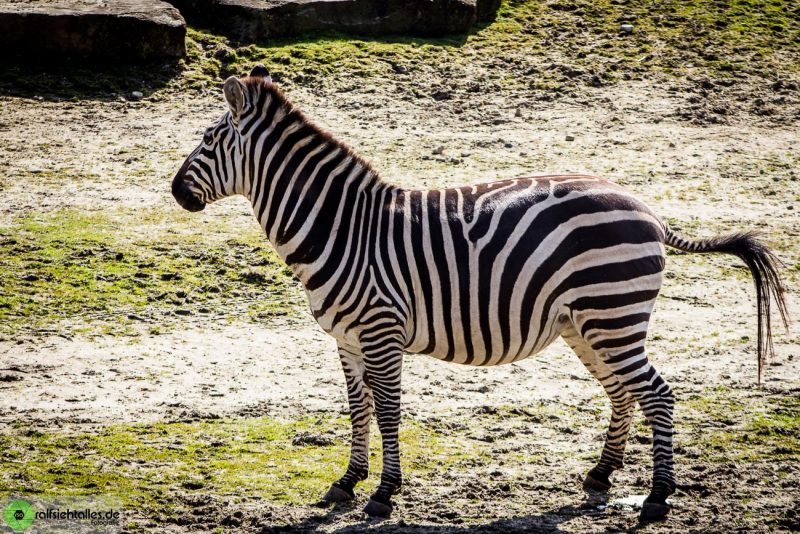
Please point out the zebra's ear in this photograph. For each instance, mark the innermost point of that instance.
(260, 71)
(234, 95)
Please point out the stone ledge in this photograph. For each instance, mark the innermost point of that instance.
(91, 30)
(253, 20)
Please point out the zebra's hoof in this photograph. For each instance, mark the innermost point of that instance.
(377, 509)
(591, 483)
(653, 511)
(337, 494)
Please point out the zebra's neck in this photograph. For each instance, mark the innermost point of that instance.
(310, 190)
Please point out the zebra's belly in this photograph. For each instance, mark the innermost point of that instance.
(493, 346)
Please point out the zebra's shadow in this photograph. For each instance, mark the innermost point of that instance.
(548, 522)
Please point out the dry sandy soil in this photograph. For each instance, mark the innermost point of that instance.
(704, 178)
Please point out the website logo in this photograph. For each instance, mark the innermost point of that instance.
(19, 515)
(77, 513)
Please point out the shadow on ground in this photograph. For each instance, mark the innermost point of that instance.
(58, 82)
(547, 522)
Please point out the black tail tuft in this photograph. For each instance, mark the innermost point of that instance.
(763, 265)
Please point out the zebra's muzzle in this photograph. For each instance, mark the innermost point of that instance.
(184, 196)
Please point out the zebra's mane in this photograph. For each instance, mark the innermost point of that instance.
(257, 84)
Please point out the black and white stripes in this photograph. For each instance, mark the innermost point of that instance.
(478, 275)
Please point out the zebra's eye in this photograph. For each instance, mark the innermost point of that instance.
(207, 138)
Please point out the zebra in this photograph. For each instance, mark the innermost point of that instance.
(479, 275)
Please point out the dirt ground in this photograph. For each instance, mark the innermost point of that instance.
(740, 173)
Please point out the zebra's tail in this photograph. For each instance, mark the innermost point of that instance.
(764, 267)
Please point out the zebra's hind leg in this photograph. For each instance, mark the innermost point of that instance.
(622, 405)
(359, 396)
(621, 349)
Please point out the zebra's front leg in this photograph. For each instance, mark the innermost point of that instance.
(384, 361)
(359, 397)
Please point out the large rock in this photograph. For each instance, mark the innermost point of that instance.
(105, 30)
(251, 20)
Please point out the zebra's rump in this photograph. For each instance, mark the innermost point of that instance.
(492, 272)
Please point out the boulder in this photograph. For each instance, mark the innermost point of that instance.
(91, 30)
(252, 20)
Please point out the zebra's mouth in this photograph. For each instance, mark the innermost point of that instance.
(184, 196)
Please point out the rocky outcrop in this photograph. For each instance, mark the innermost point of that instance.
(94, 30)
(252, 20)
(145, 30)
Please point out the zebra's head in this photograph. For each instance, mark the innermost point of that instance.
(215, 169)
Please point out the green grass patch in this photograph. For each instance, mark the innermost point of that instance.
(152, 468)
(541, 45)
(163, 470)
(754, 429)
(90, 272)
